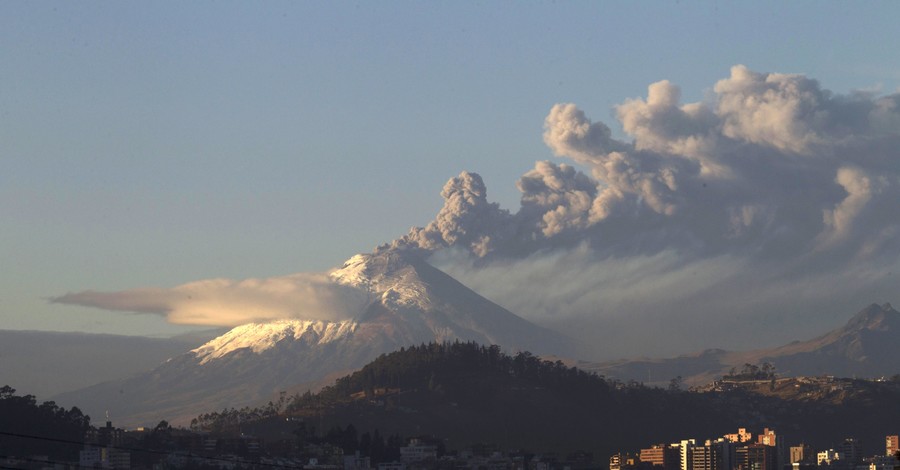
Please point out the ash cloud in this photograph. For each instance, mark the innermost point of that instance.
(225, 302)
(772, 197)
(769, 164)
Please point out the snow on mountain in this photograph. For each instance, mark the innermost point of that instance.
(388, 276)
(259, 337)
(409, 302)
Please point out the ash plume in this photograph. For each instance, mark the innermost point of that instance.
(770, 164)
(774, 197)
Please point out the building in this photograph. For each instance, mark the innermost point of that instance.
(770, 438)
(741, 436)
(713, 455)
(684, 449)
(827, 457)
(662, 456)
(104, 457)
(100, 450)
(357, 462)
(767, 437)
(802, 454)
(883, 462)
(891, 445)
(851, 453)
(417, 450)
(755, 457)
(623, 462)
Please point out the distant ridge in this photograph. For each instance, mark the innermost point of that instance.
(45, 363)
(868, 345)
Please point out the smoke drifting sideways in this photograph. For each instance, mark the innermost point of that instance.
(736, 220)
(224, 302)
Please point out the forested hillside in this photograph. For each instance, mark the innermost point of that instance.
(466, 393)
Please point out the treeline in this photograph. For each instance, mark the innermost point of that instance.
(29, 428)
(445, 367)
(470, 392)
(467, 371)
(228, 421)
(752, 372)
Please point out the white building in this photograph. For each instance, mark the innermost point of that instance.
(417, 451)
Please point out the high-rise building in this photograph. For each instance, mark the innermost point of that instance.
(623, 462)
(802, 454)
(767, 438)
(891, 445)
(615, 462)
(663, 456)
(755, 457)
(827, 457)
(741, 436)
(851, 453)
(684, 449)
(713, 455)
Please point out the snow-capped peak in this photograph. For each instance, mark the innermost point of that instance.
(387, 275)
(354, 272)
(259, 337)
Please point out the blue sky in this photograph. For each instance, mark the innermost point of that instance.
(157, 143)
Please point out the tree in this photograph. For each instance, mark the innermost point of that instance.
(7, 392)
(675, 384)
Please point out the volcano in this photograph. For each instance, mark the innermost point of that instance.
(409, 302)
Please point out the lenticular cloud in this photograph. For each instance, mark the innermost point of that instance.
(225, 302)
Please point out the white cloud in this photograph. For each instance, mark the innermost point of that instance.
(225, 302)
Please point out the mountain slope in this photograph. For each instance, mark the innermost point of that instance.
(44, 363)
(409, 302)
(866, 346)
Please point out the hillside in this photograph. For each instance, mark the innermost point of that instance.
(466, 394)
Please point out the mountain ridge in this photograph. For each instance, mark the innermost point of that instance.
(864, 346)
